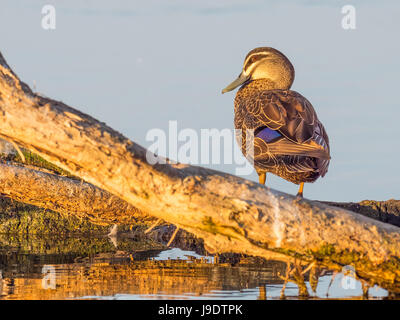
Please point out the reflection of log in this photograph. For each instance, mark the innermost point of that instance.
(152, 277)
(65, 248)
(229, 213)
(65, 195)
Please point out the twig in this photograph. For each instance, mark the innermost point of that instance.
(173, 236)
(153, 226)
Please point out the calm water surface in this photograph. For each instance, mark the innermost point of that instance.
(152, 274)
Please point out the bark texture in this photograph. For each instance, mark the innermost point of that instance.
(386, 211)
(228, 212)
(66, 195)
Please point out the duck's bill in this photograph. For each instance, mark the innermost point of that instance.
(239, 81)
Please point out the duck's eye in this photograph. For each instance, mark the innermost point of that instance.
(254, 59)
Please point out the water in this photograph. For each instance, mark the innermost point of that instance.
(166, 274)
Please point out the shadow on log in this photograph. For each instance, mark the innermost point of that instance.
(228, 212)
(385, 211)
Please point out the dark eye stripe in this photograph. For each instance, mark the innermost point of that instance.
(254, 58)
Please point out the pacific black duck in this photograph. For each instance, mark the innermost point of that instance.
(288, 139)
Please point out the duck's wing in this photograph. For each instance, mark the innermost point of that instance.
(292, 116)
(283, 146)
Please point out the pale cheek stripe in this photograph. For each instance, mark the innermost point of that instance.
(250, 68)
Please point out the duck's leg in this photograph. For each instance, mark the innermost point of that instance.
(262, 177)
(300, 193)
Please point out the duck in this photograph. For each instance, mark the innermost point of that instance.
(277, 128)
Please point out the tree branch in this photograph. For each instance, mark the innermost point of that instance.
(66, 195)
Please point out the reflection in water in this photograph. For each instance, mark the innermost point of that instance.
(143, 274)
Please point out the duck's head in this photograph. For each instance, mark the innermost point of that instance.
(265, 63)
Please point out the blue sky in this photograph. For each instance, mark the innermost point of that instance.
(137, 65)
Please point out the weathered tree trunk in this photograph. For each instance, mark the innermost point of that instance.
(386, 211)
(67, 196)
(228, 212)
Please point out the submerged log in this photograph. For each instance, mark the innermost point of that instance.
(228, 212)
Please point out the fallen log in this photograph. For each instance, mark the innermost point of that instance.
(67, 196)
(386, 211)
(228, 212)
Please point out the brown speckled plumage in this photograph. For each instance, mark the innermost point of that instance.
(301, 152)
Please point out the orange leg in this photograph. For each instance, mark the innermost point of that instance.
(262, 177)
(300, 193)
